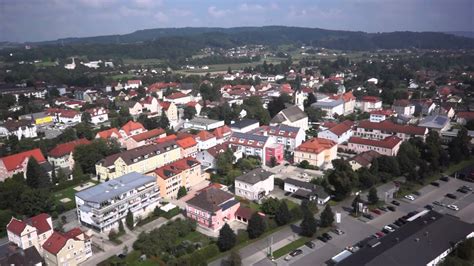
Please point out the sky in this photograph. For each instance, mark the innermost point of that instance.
(39, 20)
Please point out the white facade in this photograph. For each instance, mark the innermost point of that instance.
(20, 132)
(206, 144)
(408, 110)
(254, 191)
(376, 118)
(328, 134)
(367, 106)
(98, 115)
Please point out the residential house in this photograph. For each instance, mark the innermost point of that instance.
(380, 115)
(20, 128)
(144, 138)
(424, 106)
(171, 111)
(368, 103)
(403, 107)
(332, 108)
(212, 208)
(317, 151)
(70, 248)
(32, 232)
(388, 146)
(222, 134)
(112, 133)
(197, 106)
(255, 184)
(131, 128)
(201, 123)
(134, 108)
(363, 159)
(463, 117)
(98, 115)
(244, 125)
(208, 157)
(133, 84)
(250, 144)
(205, 140)
(288, 136)
(17, 163)
(143, 159)
(185, 173)
(381, 130)
(18, 256)
(65, 116)
(189, 147)
(446, 109)
(101, 207)
(306, 190)
(178, 98)
(291, 116)
(438, 123)
(339, 133)
(61, 155)
(349, 101)
(151, 106)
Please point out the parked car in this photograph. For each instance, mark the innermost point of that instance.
(444, 178)
(417, 193)
(391, 208)
(398, 223)
(323, 239)
(376, 211)
(296, 252)
(451, 196)
(383, 208)
(462, 190)
(438, 203)
(368, 216)
(389, 228)
(410, 197)
(436, 184)
(310, 244)
(327, 236)
(286, 164)
(429, 207)
(453, 207)
(396, 203)
(338, 231)
(467, 188)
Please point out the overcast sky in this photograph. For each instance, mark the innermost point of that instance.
(36, 20)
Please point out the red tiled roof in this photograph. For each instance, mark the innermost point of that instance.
(147, 100)
(244, 212)
(176, 167)
(372, 99)
(40, 222)
(316, 145)
(346, 97)
(134, 81)
(186, 142)
(176, 95)
(73, 233)
(16, 226)
(166, 139)
(165, 105)
(386, 112)
(341, 128)
(154, 133)
(192, 104)
(14, 161)
(55, 243)
(203, 135)
(466, 115)
(108, 133)
(403, 103)
(161, 85)
(66, 148)
(222, 131)
(388, 126)
(388, 143)
(131, 125)
(62, 112)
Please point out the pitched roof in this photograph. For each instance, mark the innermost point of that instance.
(66, 148)
(210, 199)
(466, 115)
(132, 125)
(165, 105)
(292, 113)
(402, 103)
(389, 142)
(371, 99)
(55, 243)
(176, 167)
(176, 95)
(365, 158)
(186, 142)
(341, 128)
(151, 134)
(316, 145)
(40, 222)
(254, 176)
(222, 131)
(203, 135)
(247, 139)
(280, 131)
(166, 139)
(13, 162)
(218, 149)
(390, 127)
(244, 123)
(16, 226)
(434, 121)
(105, 134)
(13, 125)
(138, 153)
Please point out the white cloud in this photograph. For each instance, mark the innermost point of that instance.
(161, 17)
(217, 13)
(147, 3)
(97, 3)
(250, 7)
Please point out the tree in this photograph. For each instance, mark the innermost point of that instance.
(366, 178)
(282, 215)
(129, 220)
(182, 192)
(112, 235)
(224, 161)
(308, 225)
(270, 206)
(164, 122)
(256, 226)
(327, 217)
(372, 196)
(278, 104)
(459, 147)
(328, 87)
(121, 228)
(304, 164)
(84, 130)
(226, 239)
(189, 112)
(408, 157)
(355, 202)
(234, 259)
(86, 117)
(36, 176)
(273, 161)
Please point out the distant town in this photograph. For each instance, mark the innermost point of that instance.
(254, 154)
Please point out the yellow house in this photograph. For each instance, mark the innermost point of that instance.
(30, 232)
(70, 248)
(143, 159)
(182, 173)
(317, 151)
(171, 111)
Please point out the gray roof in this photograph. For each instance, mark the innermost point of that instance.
(115, 187)
(292, 113)
(139, 153)
(416, 243)
(316, 190)
(254, 176)
(434, 121)
(202, 121)
(211, 200)
(322, 104)
(249, 136)
(283, 127)
(244, 123)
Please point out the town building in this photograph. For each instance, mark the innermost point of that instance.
(131, 128)
(185, 173)
(98, 115)
(65, 116)
(17, 163)
(133, 84)
(288, 136)
(306, 190)
(380, 115)
(338, 133)
(244, 125)
(332, 108)
(291, 116)
(112, 133)
(171, 111)
(381, 130)
(189, 147)
(368, 103)
(201, 123)
(70, 248)
(463, 117)
(101, 207)
(403, 107)
(250, 144)
(32, 232)
(39, 119)
(21, 129)
(144, 138)
(178, 98)
(18, 256)
(61, 155)
(254, 185)
(143, 159)
(363, 159)
(439, 123)
(212, 208)
(388, 146)
(222, 134)
(317, 151)
(208, 157)
(205, 140)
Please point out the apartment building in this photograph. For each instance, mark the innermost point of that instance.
(185, 172)
(388, 146)
(98, 115)
(21, 129)
(288, 136)
(144, 138)
(338, 133)
(102, 206)
(143, 159)
(254, 185)
(317, 151)
(383, 129)
(250, 144)
(70, 248)
(61, 155)
(368, 103)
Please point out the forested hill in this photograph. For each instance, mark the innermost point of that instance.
(174, 43)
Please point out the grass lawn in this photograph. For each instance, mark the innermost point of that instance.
(68, 193)
(195, 237)
(132, 259)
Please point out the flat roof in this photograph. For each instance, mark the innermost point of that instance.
(244, 123)
(115, 187)
(203, 121)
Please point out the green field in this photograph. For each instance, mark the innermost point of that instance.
(70, 194)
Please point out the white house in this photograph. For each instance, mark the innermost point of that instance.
(178, 98)
(98, 115)
(306, 190)
(339, 133)
(250, 144)
(255, 184)
(208, 157)
(205, 140)
(133, 84)
(331, 107)
(21, 129)
(403, 107)
(291, 116)
(368, 103)
(290, 137)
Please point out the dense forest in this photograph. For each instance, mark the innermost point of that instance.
(183, 42)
